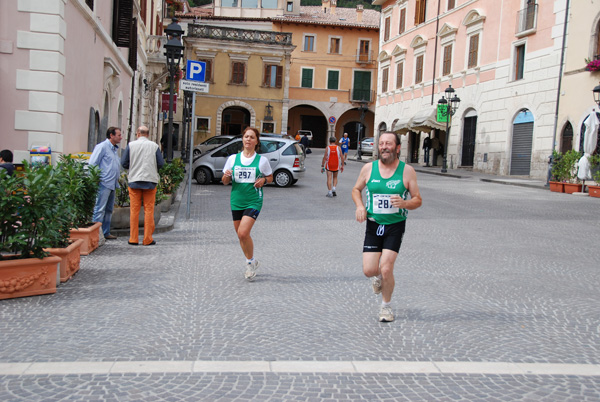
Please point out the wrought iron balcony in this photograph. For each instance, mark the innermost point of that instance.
(527, 18)
(361, 95)
(242, 35)
(363, 57)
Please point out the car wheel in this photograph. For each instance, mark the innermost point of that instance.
(197, 152)
(203, 175)
(283, 178)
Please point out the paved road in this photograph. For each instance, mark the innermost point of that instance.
(496, 299)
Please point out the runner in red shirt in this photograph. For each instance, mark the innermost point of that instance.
(332, 162)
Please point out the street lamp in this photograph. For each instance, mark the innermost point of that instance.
(174, 52)
(449, 106)
(596, 92)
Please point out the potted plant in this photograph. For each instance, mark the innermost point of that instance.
(594, 190)
(71, 177)
(592, 65)
(31, 219)
(558, 172)
(84, 200)
(171, 176)
(570, 159)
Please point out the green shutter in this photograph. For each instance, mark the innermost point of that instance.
(333, 80)
(307, 78)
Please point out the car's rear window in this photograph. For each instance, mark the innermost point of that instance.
(267, 146)
(293, 149)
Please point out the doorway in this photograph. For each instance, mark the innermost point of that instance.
(468, 146)
(520, 161)
(235, 119)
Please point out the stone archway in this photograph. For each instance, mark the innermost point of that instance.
(235, 103)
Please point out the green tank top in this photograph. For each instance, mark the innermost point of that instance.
(379, 190)
(243, 193)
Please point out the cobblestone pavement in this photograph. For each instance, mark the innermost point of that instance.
(487, 273)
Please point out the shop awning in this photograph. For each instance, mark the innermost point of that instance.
(400, 126)
(425, 120)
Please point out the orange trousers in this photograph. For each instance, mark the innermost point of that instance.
(136, 196)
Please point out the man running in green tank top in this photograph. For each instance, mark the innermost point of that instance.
(388, 181)
(248, 172)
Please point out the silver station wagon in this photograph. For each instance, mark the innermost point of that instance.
(285, 156)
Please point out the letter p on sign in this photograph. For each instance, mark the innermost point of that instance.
(195, 70)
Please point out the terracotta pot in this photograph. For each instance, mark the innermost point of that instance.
(594, 191)
(571, 188)
(28, 277)
(70, 258)
(120, 217)
(90, 236)
(557, 187)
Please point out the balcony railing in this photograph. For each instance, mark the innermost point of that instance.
(361, 95)
(363, 57)
(155, 48)
(527, 18)
(242, 35)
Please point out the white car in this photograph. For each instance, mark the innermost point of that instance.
(366, 145)
(308, 133)
(212, 143)
(285, 156)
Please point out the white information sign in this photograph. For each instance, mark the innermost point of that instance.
(194, 86)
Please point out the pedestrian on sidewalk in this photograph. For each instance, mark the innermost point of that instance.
(332, 163)
(388, 181)
(248, 172)
(426, 148)
(143, 159)
(106, 158)
(345, 141)
(6, 162)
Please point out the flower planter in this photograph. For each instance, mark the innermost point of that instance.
(120, 217)
(557, 187)
(571, 188)
(165, 205)
(70, 257)
(594, 191)
(28, 277)
(90, 236)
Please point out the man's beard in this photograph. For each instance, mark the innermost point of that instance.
(387, 158)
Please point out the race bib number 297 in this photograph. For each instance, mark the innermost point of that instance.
(382, 204)
(245, 174)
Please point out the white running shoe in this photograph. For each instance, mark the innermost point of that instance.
(329, 195)
(376, 283)
(251, 270)
(386, 314)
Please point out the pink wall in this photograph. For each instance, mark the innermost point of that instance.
(10, 98)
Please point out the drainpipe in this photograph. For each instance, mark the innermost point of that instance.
(560, 74)
(437, 27)
(131, 106)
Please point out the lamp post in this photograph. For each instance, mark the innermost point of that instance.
(449, 106)
(173, 51)
(362, 109)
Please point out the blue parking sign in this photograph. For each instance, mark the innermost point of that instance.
(195, 71)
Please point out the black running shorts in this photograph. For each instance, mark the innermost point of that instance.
(378, 237)
(251, 212)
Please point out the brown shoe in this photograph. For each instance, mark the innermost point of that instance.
(110, 237)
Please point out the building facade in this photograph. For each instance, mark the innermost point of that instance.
(501, 57)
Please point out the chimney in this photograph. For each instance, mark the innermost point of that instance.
(333, 4)
(325, 5)
(359, 12)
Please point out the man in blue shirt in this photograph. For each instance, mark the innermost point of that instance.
(105, 157)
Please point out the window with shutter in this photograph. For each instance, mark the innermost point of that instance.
(334, 46)
(238, 70)
(420, 10)
(273, 76)
(386, 34)
(473, 51)
(208, 74)
(447, 64)
(121, 24)
(419, 70)
(333, 79)
(143, 10)
(132, 59)
(309, 43)
(307, 78)
(402, 27)
(451, 4)
(519, 62)
(384, 79)
(399, 75)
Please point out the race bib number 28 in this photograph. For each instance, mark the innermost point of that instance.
(382, 204)
(245, 174)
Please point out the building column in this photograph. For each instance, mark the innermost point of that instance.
(45, 40)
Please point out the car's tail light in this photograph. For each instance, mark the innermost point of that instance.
(297, 162)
